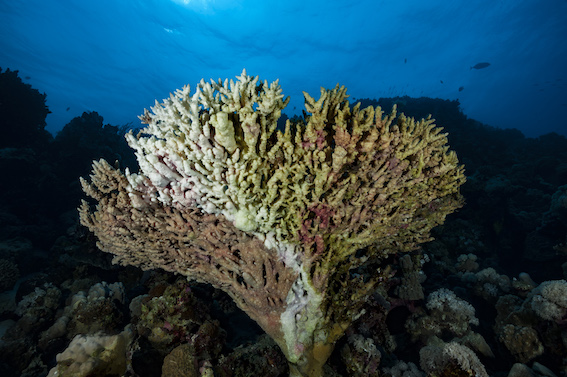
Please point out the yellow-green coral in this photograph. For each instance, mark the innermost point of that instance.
(338, 190)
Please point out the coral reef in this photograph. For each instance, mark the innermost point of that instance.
(508, 239)
(286, 222)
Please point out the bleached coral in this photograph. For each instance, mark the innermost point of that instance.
(211, 160)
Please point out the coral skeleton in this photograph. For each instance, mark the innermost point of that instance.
(296, 222)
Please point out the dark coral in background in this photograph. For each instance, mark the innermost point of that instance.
(23, 112)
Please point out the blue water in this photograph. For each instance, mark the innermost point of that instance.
(116, 57)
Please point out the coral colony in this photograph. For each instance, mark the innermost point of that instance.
(298, 225)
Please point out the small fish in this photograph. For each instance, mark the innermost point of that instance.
(68, 109)
(405, 60)
(461, 88)
(480, 65)
(27, 77)
(441, 81)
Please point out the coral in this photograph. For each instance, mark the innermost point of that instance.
(83, 139)
(403, 369)
(487, 283)
(520, 370)
(259, 359)
(537, 370)
(181, 362)
(103, 290)
(18, 347)
(100, 309)
(447, 312)
(38, 308)
(523, 284)
(522, 342)
(287, 222)
(549, 300)
(477, 343)
(171, 317)
(373, 323)
(97, 310)
(467, 262)
(410, 283)
(513, 328)
(55, 331)
(360, 356)
(451, 359)
(94, 356)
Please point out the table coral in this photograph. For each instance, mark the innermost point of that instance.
(294, 223)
